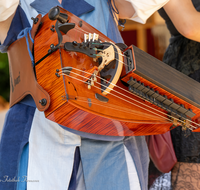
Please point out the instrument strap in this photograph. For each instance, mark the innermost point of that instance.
(22, 77)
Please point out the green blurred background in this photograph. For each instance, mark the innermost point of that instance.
(4, 76)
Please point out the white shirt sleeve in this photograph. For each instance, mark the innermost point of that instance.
(7, 8)
(145, 8)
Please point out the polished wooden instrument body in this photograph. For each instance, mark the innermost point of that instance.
(80, 105)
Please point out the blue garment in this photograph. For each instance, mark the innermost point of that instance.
(107, 27)
(22, 169)
(22, 22)
(15, 136)
(138, 150)
(12, 147)
(97, 169)
(77, 7)
(93, 17)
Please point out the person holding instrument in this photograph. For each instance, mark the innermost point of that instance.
(36, 153)
(183, 53)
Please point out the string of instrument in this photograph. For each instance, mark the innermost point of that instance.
(97, 86)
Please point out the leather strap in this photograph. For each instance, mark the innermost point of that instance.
(22, 76)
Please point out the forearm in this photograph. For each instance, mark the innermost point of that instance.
(138, 10)
(185, 18)
(7, 10)
(4, 27)
(125, 9)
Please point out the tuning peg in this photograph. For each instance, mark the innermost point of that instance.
(54, 14)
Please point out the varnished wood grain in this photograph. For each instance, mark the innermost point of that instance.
(124, 114)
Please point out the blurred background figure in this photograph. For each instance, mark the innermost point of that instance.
(183, 53)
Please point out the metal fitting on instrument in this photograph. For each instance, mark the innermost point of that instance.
(43, 102)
